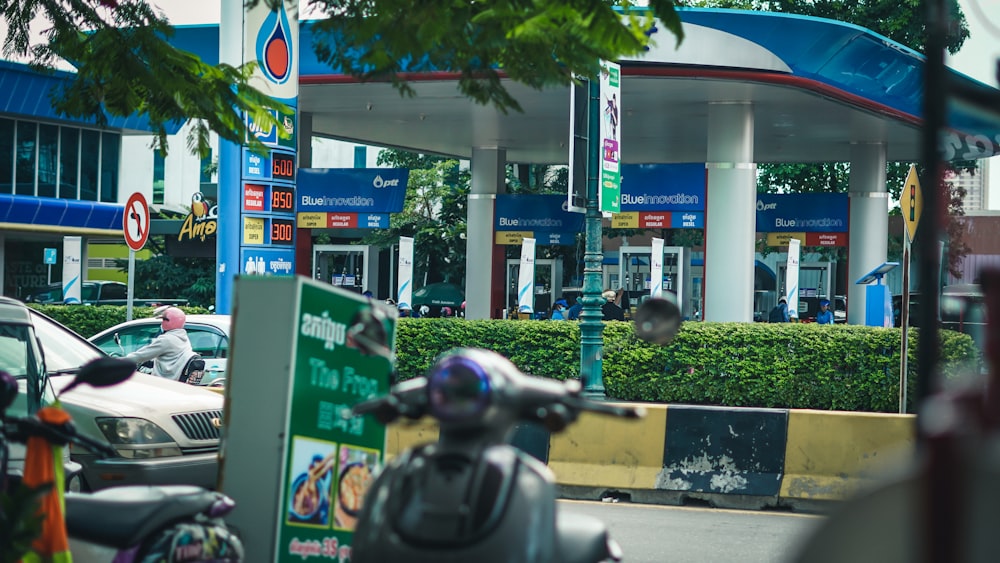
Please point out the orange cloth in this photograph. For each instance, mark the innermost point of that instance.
(43, 465)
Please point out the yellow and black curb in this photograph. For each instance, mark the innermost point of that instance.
(722, 456)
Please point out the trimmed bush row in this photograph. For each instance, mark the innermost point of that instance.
(802, 366)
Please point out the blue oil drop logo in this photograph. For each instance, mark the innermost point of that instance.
(274, 50)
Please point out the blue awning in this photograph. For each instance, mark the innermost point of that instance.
(28, 93)
(68, 214)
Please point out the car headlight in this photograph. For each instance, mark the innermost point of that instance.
(137, 438)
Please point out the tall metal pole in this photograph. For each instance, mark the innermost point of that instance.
(591, 325)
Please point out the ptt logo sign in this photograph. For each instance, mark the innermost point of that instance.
(380, 182)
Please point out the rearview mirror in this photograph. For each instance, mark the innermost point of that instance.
(102, 372)
(657, 320)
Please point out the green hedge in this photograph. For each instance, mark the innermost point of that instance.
(840, 367)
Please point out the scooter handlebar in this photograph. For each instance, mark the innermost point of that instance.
(19, 429)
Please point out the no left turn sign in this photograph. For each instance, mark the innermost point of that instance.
(136, 221)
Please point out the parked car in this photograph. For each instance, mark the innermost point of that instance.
(96, 292)
(209, 335)
(165, 432)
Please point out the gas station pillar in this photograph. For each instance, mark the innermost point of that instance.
(488, 180)
(869, 222)
(730, 213)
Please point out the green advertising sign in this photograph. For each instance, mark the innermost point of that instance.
(330, 458)
(611, 134)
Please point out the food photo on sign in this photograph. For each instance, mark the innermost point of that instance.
(356, 474)
(310, 481)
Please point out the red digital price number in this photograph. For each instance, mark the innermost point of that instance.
(282, 198)
(282, 231)
(283, 166)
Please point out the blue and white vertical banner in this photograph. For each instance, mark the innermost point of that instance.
(526, 277)
(792, 278)
(71, 280)
(656, 269)
(404, 277)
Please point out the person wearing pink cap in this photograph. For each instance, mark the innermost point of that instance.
(169, 351)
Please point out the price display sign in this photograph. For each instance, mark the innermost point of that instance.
(282, 199)
(283, 166)
(282, 231)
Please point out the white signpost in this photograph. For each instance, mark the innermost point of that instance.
(656, 269)
(404, 286)
(792, 278)
(526, 277)
(135, 225)
(71, 278)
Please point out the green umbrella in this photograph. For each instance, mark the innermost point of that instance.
(441, 294)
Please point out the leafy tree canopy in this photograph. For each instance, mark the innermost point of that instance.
(125, 64)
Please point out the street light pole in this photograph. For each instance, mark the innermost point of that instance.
(591, 325)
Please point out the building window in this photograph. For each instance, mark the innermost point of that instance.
(26, 148)
(90, 151)
(69, 162)
(206, 168)
(7, 156)
(158, 176)
(48, 159)
(109, 167)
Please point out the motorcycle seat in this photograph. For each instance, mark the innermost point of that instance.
(583, 538)
(121, 517)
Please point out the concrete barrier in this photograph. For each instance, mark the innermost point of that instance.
(600, 453)
(723, 456)
(830, 455)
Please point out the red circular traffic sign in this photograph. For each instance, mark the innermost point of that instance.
(135, 223)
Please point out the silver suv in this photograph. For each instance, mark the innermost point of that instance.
(165, 432)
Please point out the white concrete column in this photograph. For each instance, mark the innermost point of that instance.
(487, 181)
(730, 213)
(869, 222)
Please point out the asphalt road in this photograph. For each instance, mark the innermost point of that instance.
(658, 534)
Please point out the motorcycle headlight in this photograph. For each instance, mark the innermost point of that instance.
(127, 433)
(458, 390)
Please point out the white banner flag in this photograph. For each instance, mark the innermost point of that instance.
(71, 279)
(792, 278)
(526, 277)
(656, 269)
(404, 281)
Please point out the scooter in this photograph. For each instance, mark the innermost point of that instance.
(472, 496)
(132, 523)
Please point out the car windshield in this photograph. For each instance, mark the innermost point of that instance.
(17, 352)
(64, 349)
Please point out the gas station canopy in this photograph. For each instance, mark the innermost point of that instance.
(816, 86)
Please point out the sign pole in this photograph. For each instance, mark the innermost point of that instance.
(904, 320)
(131, 285)
(911, 204)
(135, 225)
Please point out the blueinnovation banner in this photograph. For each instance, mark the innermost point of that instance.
(536, 213)
(802, 213)
(663, 187)
(358, 190)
